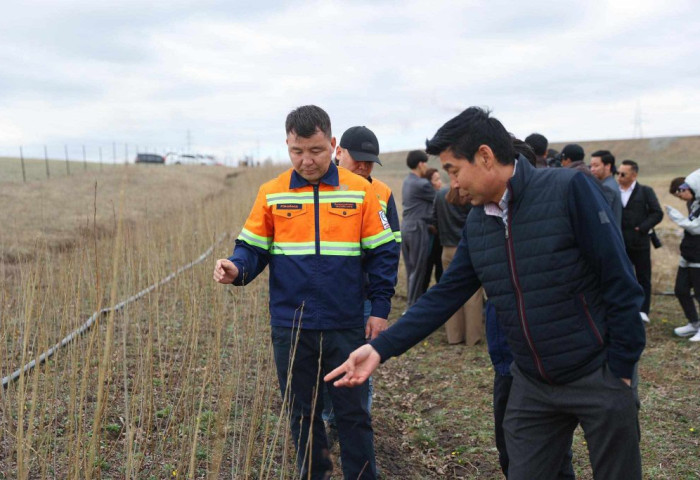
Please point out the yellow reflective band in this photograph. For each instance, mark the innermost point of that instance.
(346, 249)
(253, 239)
(397, 236)
(351, 196)
(379, 239)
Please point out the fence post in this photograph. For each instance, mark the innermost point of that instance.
(21, 157)
(46, 160)
(65, 147)
(84, 159)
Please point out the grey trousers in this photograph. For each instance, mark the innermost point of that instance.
(415, 248)
(540, 419)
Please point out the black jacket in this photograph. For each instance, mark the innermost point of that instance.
(642, 211)
(558, 275)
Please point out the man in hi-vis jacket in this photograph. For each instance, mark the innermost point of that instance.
(320, 228)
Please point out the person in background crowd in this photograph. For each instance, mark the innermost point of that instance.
(320, 228)
(434, 259)
(542, 244)
(688, 275)
(539, 144)
(571, 156)
(640, 213)
(417, 199)
(450, 211)
(603, 168)
(553, 158)
(524, 149)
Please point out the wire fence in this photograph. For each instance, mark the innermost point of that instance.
(28, 163)
(68, 339)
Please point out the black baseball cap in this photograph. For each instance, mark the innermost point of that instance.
(362, 144)
(572, 151)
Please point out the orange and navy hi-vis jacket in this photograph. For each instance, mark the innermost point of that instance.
(316, 238)
(386, 200)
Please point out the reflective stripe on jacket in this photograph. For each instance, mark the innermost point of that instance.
(386, 200)
(316, 238)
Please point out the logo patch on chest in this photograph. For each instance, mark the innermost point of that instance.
(345, 205)
(289, 206)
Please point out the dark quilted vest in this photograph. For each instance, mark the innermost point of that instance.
(546, 296)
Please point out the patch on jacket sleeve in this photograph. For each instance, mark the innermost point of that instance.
(603, 217)
(289, 206)
(385, 222)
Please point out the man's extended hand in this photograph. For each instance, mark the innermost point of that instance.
(225, 271)
(357, 368)
(375, 326)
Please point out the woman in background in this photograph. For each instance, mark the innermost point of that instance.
(688, 276)
(434, 259)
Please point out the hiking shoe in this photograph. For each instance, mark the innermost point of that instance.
(645, 317)
(695, 338)
(686, 330)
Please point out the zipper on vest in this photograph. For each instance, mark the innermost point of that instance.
(590, 318)
(520, 303)
(317, 220)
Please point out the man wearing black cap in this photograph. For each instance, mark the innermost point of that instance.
(572, 156)
(417, 195)
(358, 152)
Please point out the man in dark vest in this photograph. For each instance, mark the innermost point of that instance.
(640, 213)
(552, 262)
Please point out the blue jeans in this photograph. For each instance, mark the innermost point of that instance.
(317, 352)
(327, 414)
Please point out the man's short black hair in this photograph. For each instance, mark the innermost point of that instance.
(305, 121)
(631, 163)
(465, 133)
(538, 142)
(525, 149)
(415, 157)
(607, 158)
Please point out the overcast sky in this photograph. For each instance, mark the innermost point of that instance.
(145, 73)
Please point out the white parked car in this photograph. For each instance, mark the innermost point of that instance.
(190, 159)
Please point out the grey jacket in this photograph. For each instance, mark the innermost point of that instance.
(616, 204)
(417, 195)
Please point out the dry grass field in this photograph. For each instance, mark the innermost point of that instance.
(180, 384)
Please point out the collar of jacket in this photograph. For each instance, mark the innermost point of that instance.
(330, 178)
(518, 181)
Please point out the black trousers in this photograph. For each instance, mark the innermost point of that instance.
(540, 419)
(501, 391)
(641, 259)
(302, 358)
(688, 278)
